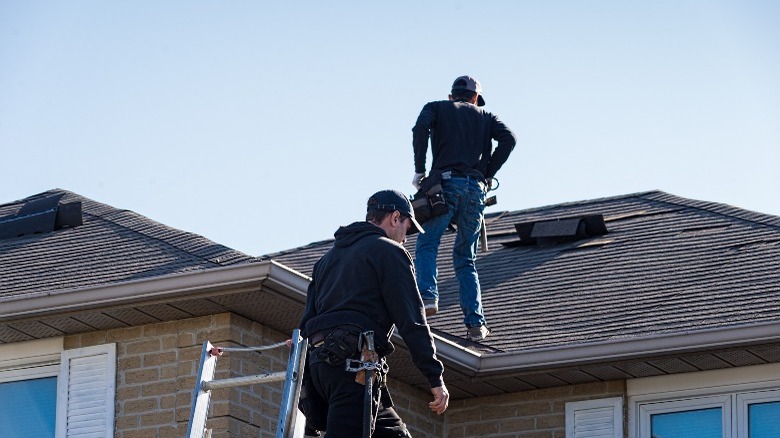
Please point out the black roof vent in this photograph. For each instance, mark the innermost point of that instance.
(550, 232)
(41, 215)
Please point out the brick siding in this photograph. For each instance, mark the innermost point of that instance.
(528, 414)
(157, 365)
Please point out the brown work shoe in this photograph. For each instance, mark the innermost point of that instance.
(431, 307)
(477, 333)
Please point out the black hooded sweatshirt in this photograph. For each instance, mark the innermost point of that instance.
(367, 280)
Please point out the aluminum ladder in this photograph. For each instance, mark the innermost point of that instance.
(291, 421)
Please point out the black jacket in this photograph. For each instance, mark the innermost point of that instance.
(461, 139)
(368, 280)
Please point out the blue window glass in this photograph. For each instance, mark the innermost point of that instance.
(702, 423)
(764, 420)
(28, 408)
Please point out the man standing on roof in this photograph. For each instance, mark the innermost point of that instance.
(366, 282)
(461, 134)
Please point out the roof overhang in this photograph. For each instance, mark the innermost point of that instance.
(487, 364)
(274, 295)
(175, 287)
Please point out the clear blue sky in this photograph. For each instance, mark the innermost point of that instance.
(265, 125)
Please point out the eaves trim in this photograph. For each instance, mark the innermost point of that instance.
(624, 349)
(171, 287)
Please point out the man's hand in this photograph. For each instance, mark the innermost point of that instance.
(418, 177)
(441, 399)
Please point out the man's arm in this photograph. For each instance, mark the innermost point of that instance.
(421, 132)
(405, 308)
(506, 143)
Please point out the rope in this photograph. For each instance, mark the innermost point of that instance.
(216, 351)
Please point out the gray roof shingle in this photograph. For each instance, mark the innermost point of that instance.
(111, 246)
(667, 265)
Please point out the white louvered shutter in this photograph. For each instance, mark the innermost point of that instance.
(85, 392)
(601, 418)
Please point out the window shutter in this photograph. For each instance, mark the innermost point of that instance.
(85, 392)
(602, 418)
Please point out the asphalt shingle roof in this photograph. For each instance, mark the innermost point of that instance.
(667, 265)
(111, 245)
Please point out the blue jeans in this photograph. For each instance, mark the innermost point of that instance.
(466, 202)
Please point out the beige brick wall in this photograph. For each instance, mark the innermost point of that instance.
(412, 405)
(528, 414)
(156, 369)
(157, 364)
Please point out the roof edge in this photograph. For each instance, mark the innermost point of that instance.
(292, 283)
(626, 349)
(169, 287)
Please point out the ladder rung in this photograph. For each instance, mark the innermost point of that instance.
(245, 380)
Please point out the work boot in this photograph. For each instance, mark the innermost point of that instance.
(477, 333)
(431, 307)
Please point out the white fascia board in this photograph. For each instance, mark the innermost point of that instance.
(291, 282)
(469, 360)
(475, 364)
(156, 289)
(624, 349)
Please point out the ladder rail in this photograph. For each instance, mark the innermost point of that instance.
(201, 398)
(288, 415)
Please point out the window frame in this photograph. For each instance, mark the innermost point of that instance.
(31, 360)
(733, 388)
(743, 402)
(648, 409)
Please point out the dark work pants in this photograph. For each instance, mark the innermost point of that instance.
(345, 402)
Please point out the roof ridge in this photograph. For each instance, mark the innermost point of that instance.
(109, 210)
(716, 207)
(168, 242)
(579, 203)
(294, 250)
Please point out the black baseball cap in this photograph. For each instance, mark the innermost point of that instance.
(392, 200)
(470, 84)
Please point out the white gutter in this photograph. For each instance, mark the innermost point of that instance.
(609, 351)
(217, 281)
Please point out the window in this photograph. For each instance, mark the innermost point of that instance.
(759, 414)
(27, 407)
(49, 392)
(734, 403)
(28, 388)
(697, 423)
(705, 417)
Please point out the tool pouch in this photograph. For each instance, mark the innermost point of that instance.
(429, 201)
(338, 346)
